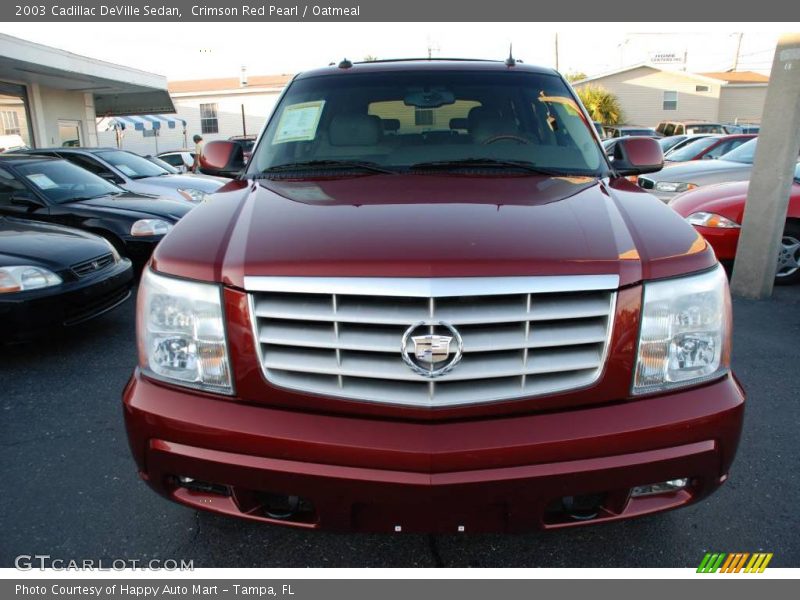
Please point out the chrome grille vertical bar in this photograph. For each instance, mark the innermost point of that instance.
(335, 306)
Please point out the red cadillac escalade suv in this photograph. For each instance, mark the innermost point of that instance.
(429, 302)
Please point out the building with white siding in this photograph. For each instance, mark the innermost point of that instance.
(214, 108)
(649, 94)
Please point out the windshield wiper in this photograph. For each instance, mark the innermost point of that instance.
(461, 163)
(326, 164)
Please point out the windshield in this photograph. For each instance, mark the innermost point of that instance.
(743, 154)
(397, 121)
(132, 165)
(61, 181)
(667, 143)
(692, 149)
(163, 164)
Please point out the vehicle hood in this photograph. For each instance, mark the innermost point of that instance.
(204, 183)
(45, 245)
(431, 226)
(702, 171)
(139, 206)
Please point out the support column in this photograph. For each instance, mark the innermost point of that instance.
(771, 181)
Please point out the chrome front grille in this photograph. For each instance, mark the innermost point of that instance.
(87, 267)
(522, 336)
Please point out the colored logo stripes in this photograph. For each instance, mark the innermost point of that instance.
(734, 563)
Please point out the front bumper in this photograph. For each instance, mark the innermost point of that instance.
(32, 313)
(361, 474)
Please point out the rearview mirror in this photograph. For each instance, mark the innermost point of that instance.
(222, 158)
(635, 155)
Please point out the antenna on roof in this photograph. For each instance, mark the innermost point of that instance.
(510, 62)
(345, 64)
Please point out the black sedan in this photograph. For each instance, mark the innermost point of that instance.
(52, 276)
(39, 188)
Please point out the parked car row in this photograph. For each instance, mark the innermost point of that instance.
(76, 224)
(717, 213)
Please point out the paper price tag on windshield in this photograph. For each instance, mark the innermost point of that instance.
(299, 122)
(42, 181)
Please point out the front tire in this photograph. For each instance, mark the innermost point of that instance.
(788, 272)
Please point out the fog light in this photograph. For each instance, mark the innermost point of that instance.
(664, 487)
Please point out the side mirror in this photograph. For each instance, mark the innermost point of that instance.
(222, 158)
(637, 155)
(25, 199)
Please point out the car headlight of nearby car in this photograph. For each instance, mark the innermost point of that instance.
(707, 219)
(194, 195)
(181, 333)
(22, 278)
(150, 227)
(685, 332)
(671, 186)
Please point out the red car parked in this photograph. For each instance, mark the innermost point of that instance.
(709, 147)
(716, 212)
(431, 303)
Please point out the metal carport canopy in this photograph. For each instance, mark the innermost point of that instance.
(117, 90)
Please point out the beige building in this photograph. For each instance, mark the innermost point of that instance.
(649, 94)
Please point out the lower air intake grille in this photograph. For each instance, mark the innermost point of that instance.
(522, 336)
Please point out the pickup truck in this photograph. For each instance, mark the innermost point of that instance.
(429, 302)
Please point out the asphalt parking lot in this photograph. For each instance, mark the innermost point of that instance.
(71, 489)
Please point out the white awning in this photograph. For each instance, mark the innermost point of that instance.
(140, 122)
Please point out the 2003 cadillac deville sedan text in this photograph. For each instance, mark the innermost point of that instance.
(431, 303)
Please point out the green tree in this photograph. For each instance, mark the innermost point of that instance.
(370, 58)
(602, 105)
(573, 76)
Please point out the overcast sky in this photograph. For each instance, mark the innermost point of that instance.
(192, 51)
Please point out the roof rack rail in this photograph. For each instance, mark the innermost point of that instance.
(424, 58)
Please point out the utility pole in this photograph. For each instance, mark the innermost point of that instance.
(773, 172)
(556, 51)
(738, 49)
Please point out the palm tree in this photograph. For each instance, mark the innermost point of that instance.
(602, 105)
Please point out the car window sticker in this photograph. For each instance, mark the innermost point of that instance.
(299, 122)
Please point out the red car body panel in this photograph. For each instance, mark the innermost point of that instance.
(728, 200)
(496, 466)
(495, 226)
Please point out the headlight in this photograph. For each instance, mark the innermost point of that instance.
(194, 195)
(150, 227)
(685, 332)
(26, 277)
(707, 219)
(670, 186)
(181, 333)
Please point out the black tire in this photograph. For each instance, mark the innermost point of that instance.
(790, 255)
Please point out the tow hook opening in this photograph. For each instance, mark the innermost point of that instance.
(277, 506)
